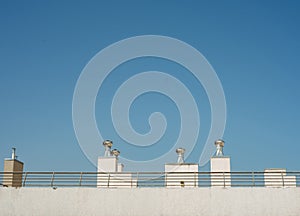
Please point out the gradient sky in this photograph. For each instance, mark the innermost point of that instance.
(252, 45)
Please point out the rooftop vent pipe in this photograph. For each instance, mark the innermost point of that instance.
(107, 144)
(219, 144)
(13, 154)
(180, 153)
(115, 153)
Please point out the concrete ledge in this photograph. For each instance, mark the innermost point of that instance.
(150, 201)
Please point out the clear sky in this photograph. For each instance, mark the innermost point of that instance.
(252, 45)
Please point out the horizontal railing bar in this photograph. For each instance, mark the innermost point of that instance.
(151, 179)
(157, 173)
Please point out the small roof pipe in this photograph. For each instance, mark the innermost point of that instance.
(13, 154)
(115, 152)
(180, 153)
(219, 145)
(107, 144)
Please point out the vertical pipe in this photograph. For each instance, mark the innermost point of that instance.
(13, 154)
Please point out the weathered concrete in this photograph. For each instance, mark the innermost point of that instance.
(150, 201)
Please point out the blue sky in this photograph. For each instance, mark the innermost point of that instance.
(252, 45)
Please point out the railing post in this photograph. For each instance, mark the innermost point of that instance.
(224, 179)
(282, 177)
(195, 179)
(24, 181)
(52, 179)
(108, 179)
(80, 179)
(253, 180)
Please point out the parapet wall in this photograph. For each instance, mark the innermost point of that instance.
(150, 201)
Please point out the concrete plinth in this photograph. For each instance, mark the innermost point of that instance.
(221, 167)
(278, 178)
(110, 174)
(181, 175)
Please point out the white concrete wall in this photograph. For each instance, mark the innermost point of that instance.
(150, 201)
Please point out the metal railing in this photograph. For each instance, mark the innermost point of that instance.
(149, 179)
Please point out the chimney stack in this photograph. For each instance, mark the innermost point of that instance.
(13, 171)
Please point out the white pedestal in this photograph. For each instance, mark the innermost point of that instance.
(181, 175)
(278, 178)
(110, 174)
(221, 165)
(120, 167)
(107, 164)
